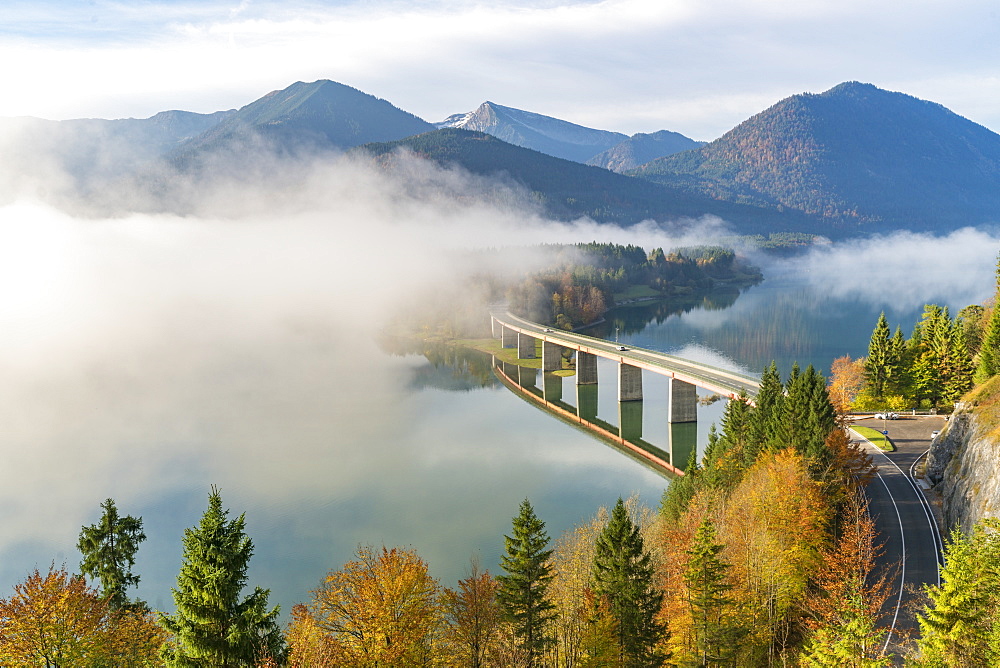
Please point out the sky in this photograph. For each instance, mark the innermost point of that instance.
(698, 67)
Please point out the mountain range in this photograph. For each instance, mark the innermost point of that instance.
(852, 160)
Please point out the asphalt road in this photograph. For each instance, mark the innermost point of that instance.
(904, 519)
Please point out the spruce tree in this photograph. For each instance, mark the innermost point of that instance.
(623, 575)
(767, 414)
(214, 627)
(715, 628)
(958, 627)
(876, 364)
(108, 550)
(523, 592)
(989, 349)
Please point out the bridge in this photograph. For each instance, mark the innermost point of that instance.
(685, 375)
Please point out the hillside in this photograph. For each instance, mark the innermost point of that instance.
(322, 114)
(545, 134)
(568, 190)
(856, 156)
(642, 148)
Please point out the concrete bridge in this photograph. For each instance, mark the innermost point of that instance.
(685, 375)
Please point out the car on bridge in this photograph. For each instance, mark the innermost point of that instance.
(622, 348)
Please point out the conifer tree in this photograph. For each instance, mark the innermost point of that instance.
(523, 592)
(959, 625)
(214, 626)
(766, 416)
(108, 550)
(876, 364)
(716, 631)
(623, 575)
(989, 349)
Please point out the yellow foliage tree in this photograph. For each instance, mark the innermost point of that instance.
(775, 528)
(379, 610)
(55, 619)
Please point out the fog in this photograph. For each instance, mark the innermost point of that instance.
(221, 330)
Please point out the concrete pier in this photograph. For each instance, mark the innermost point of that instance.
(682, 404)
(629, 383)
(586, 368)
(526, 377)
(525, 346)
(508, 337)
(551, 356)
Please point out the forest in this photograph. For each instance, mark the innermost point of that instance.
(763, 555)
(584, 279)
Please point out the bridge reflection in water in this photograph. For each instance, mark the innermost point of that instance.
(626, 436)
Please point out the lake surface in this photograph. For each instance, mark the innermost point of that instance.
(326, 441)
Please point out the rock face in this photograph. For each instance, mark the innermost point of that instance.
(963, 467)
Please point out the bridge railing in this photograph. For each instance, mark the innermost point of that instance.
(726, 373)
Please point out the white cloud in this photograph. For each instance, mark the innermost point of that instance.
(628, 65)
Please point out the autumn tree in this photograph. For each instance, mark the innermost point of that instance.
(108, 549)
(523, 592)
(378, 610)
(214, 625)
(847, 379)
(848, 598)
(473, 617)
(55, 619)
(623, 575)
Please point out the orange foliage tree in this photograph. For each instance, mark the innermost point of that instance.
(379, 610)
(55, 619)
(774, 526)
(847, 379)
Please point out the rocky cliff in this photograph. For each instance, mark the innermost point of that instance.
(964, 462)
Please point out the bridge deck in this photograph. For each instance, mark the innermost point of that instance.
(725, 382)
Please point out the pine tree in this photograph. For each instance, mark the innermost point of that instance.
(989, 349)
(523, 590)
(623, 575)
(108, 550)
(767, 414)
(213, 626)
(716, 631)
(876, 369)
(958, 627)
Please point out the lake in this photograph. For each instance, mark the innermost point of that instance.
(326, 441)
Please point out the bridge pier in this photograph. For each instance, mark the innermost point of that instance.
(526, 377)
(586, 368)
(551, 356)
(629, 382)
(525, 346)
(682, 403)
(508, 337)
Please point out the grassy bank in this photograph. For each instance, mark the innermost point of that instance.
(876, 438)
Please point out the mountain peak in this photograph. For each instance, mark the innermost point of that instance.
(552, 136)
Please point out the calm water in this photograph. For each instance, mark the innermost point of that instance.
(328, 442)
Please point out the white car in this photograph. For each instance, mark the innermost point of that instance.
(934, 434)
(622, 348)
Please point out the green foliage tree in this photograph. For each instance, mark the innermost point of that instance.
(877, 362)
(715, 628)
(215, 626)
(623, 575)
(960, 624)
(108, 550)
(989, 349)
(523, 590)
